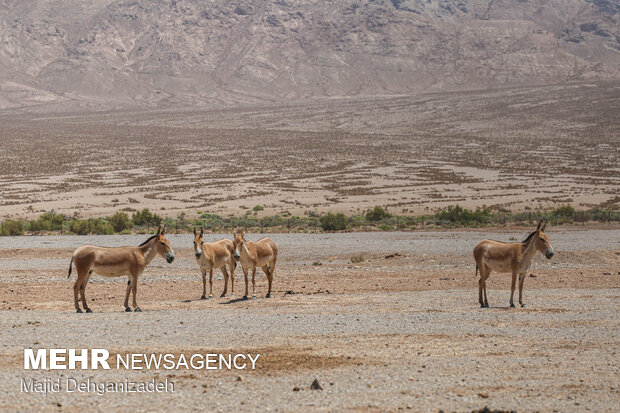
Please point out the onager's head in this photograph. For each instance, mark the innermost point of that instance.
(542, 241)
(198, 242)
(238, 241)
(163, 245)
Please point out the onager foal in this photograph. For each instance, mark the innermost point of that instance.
(514, 257)
(262, 253)
(116, 262)
(210, 255)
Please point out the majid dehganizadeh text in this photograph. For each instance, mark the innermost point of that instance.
(96, 359)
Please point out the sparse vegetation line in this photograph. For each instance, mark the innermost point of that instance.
(375, 219)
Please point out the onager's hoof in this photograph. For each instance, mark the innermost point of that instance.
(79, 310)
(481, 305)
(210, 297)
(486, 305)
(512, 305)
(223, 295)
(269, 296)
(137, 310)
(203, 297)
(253, 297)
(245, 297)
(522, 305)
(127, 310)
(88, 310)
(232, 296)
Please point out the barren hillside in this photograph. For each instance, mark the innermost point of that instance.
(189, 53)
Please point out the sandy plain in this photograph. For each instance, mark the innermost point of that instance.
(401, 330)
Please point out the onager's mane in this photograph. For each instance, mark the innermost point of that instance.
(529, 237)
(147, 241)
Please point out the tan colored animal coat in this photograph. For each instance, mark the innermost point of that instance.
(514, 257)
(262, 253)
(117, 262)
(210, 255)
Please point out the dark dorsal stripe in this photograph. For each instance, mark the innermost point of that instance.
(147, 241)
(529, 237)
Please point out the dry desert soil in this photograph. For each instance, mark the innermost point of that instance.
(400, 330)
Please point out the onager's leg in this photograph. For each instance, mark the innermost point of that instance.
(134, 290)
(232, 266)
(211, 282)
(76, 289)
(254, 282)
(521, 279)
(82, 290)
(245, 274)
(127, 309)
(225, 273)
(487, 274)
(480, 292)
(512, 287)
(268, 269)
(204, 285)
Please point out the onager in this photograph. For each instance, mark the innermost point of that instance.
(262, 253)
(210, 255)
(116, 262)
(514, 257)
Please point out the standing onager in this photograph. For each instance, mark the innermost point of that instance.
(116, 262)
(210, 255)
(262, 253)
(514, 257)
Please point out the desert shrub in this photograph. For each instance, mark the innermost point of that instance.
(334, 222)
(258, 208)
(455, 214)
(120, 221)
(146, 217)
(565, 211)
(48, 221)
(11, 227)
(376, 214)
(100, 226)
(79, 226)
(356, 259)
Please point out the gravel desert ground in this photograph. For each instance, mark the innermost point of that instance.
(401, 329)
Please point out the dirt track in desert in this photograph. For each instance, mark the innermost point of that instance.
(400, 330)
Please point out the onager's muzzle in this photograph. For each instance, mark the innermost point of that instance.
(237, 256)
(549, 253)
(170, 257)
(198, 253)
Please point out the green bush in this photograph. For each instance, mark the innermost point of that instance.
(334, 222)
(376, 214)
(455, 214)
(146, 217)
(258, 208)
(565, 211)
(11, 227)
(101, 227)
(49, 221)
(120, 221)
(79, 226)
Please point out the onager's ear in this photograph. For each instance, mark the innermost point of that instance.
(539, 225)
(194, 230)
(163, 230)
(243, 234)
(202, 231)
(159, 230)
(544, 226)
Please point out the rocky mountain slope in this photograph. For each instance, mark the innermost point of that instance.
(105, 54)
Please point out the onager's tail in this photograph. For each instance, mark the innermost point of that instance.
(476, 270)
(70, 264)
